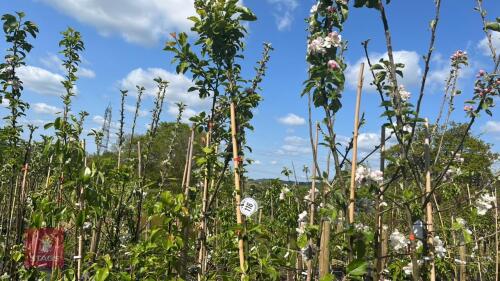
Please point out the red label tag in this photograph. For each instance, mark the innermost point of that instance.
(44, 247)
(412, 236)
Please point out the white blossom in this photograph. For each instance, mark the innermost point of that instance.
(316, 46)
(408, 269)
(361, 227)
(283, 193)
(377, 176)
(439, 247)
(87, 225)
(459, 158)
(314, 9)
(302, 216)
(333, 39)
(361, 174)
(364, 175)
(282, 196)
(403, 93)
(398, 241)
(484, 203)
(460, 221)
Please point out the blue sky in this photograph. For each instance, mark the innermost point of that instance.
(124, 41)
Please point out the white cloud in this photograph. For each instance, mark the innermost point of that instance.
(274, 162)
(292, 120)
(257, 162)
(99, 120)
(85, 72)
(44, 108)
(54, 63)
(484, 47)
(294, 145)
(368, 141)
(143, 22)
(412, 71)
(284, 13)
(492, 127)
(440, 70)
(173, 110)
(41, 81)
(34, 122)
(176, 91)
(131, 109)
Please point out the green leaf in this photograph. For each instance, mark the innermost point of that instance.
(101, 274)
(327, 277)
(357, 268)
(246, 14)
(302, 241)
(495, 26)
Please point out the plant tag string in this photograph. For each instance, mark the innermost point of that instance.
(248, 206)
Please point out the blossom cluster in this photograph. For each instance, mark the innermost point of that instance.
(408, 269)
(439, 248)
(302, 223)
(459, 57)
(361, 227)
(320, 45)
(483, 87)
(403, 93)
(484, 203)
(398, 241)
(452, 172)
(366, 175)
(284, 192)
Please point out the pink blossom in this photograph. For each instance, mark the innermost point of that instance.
(333, 65)
(468, 108)
(333, 39)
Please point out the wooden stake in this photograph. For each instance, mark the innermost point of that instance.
(428, 207)
(80, 230)
(352, 191)
(497, 258)
(381, 234)
(186, 185)
(237, 188)
(187, 162)
(139, 205)
(203, 226)
(324, 252)
(312, 195)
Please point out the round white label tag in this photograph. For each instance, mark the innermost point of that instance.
(248, 206)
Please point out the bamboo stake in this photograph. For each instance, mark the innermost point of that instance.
(203, 232)
(324, 252)
(475, 235)
(428, 207)
(187, 184)
(312, 195)
(139, 204)
(381, 238)
(352, 191)
(187, 162)
(237, 195)
(497, 258)
(463, 259)
(80, 230)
